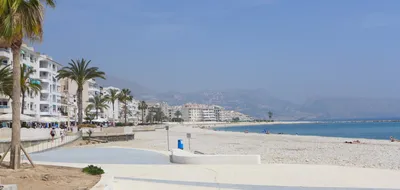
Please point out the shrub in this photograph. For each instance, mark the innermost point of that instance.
(86, 126)
(93, 170)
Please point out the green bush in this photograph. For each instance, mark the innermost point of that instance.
(119, 124)
(93, 170)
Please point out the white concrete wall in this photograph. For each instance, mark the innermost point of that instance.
(28, 134)
(183, 157)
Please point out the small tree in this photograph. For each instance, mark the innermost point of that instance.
(270, 114)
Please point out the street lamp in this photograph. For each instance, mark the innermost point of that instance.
(167, 128)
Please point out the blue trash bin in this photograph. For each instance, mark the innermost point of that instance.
(180, 144)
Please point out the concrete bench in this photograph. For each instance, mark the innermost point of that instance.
(8, 187)
(184, 157)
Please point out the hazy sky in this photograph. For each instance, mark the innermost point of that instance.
(296, 49)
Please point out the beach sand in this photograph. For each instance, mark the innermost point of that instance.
(277, 149)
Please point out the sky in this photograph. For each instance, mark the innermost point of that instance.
(295, 49)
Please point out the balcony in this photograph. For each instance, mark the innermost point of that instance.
(45, 79)
(45, 91)
(5, 53)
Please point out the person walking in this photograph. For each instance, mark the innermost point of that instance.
(52, 133)
(62, 134)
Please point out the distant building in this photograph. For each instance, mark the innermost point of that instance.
(172, 110)
(200, 112)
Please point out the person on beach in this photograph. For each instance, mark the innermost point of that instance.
(392, 139)
(52, 133)
(353, 142)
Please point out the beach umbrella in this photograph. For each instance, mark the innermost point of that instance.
(8, 117)
(99, 120)
(48, 120)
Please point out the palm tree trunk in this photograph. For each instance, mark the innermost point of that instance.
(80, 114)
(142, 116)
(126, 107)
(113, 114)
(23, 103)
(97, 113)
(15, 154)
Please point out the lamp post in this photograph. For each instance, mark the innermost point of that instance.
(167, 128)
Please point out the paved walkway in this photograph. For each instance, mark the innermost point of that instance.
(102, 156)
(46, 145)
(257, 177)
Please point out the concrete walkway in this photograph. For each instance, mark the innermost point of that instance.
(280, 177)
(257, 177)
(46, 145)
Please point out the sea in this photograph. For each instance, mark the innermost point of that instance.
(348, 129)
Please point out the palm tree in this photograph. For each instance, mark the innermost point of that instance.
(97, 103)
(6, 81)
(178, 114)
(27, 85)
(125, 97)
(143, 107)
(270, 114)
(19, 19)
(89, 116)
(80, 72)
(113, 95)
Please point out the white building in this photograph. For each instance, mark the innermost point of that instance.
(50, 95)
(228, 115)
(172, 110)
(200, 112)
(48, 101)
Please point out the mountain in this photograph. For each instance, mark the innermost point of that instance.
(352, 108)
(137, 89)
(256, 103)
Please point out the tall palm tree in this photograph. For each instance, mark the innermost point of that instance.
(125, 97)
(19, 19)
(80, 72)
(98, 103)
(143, 107)
(6, 80)
(113, 95)
(27, 85)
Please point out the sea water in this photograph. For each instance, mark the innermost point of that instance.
(369, 130)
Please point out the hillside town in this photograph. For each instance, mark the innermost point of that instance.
(55, 100)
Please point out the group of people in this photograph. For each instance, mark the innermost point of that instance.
(53, 133)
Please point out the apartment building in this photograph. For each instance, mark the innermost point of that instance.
(48, 101)
(172, 110)
(200, 112)
(50, 95)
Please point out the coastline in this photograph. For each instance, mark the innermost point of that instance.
(238, 124)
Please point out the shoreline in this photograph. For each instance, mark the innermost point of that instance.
(239, 124)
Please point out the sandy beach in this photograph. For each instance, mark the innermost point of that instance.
(277, 149)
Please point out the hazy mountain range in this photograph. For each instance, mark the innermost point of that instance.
(258, 102)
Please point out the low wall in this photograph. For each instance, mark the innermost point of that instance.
(183, 157)
(119, 130)
(111, 137)
(27, 134)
